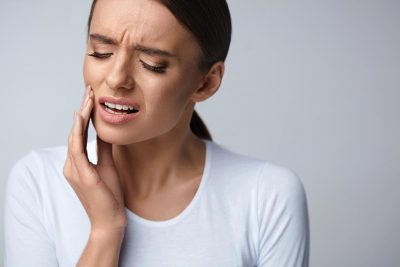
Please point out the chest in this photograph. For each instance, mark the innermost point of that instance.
(192, 243)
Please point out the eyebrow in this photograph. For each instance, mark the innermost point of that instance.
(145, 49)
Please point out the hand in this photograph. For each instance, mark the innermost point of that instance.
(97, 186)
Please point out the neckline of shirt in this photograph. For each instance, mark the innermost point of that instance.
(206, 172)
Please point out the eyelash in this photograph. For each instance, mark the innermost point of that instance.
(156, 69)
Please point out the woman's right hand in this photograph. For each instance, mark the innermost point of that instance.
(96, 185)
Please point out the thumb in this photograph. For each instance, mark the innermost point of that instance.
(104, 152)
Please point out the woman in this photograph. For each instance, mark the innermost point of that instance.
(161, 192)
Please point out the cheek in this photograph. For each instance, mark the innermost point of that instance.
(92, 73)
(166, 96)
(87, 72)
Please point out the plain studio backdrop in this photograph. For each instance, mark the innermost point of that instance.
(312, 85)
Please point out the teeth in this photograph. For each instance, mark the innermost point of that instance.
(113, 112)
(110, 105)
(117, 106)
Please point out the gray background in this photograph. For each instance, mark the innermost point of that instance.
(312, 85)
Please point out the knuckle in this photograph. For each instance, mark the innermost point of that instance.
(89, 180)
(88, 184)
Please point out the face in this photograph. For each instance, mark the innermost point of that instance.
(138, 51)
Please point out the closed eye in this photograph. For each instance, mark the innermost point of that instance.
(100, 55)
(157, 69)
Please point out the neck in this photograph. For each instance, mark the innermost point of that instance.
(151, 166)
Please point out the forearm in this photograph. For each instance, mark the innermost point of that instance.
(102, 249)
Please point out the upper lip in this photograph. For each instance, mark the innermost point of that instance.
(119, 101)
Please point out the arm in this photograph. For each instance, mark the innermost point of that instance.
(282, 219)
(102, 249)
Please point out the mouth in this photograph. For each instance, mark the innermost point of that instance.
(119, 106)
(117, 111)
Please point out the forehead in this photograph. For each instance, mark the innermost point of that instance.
(139, 21)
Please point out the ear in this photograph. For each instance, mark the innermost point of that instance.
(210, 83)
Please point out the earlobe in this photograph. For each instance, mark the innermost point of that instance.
(211, 82)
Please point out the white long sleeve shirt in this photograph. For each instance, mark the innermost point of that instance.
(246, 212)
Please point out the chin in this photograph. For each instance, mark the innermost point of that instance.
(125, 135)
(115, 136)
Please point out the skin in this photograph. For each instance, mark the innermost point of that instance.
(152, 164)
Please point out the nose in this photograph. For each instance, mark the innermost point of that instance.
(120, 74)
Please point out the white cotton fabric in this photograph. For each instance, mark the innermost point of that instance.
(246, 212)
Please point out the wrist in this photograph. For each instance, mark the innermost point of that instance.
(103, 247)
(101, 234)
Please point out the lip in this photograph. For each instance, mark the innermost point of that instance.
(119, 101)
(117, 118)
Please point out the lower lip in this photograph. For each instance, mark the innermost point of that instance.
(115, 118)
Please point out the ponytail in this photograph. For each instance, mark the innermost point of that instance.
(198, 127)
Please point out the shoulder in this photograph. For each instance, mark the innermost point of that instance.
(281, 195)
(267, 179)
(282, 217)
(233, 164)
(277, 180)
(266, 174)
(37, 167)
(39, 174)
(272, 195)
(38, 158)
(281, 203)
(43, 162)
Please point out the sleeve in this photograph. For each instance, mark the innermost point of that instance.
(26, 240)
(283, 222)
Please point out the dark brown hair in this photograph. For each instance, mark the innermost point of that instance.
(210, 22)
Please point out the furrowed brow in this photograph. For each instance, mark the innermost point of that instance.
(144, 49)
(103, 39)
(153, 51)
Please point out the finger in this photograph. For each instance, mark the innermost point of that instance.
(69, 159)
(70, 171)
(85, 113)
(87, 99)
(77, 152)
(104, 152)
(85, 96)
(76, 186)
